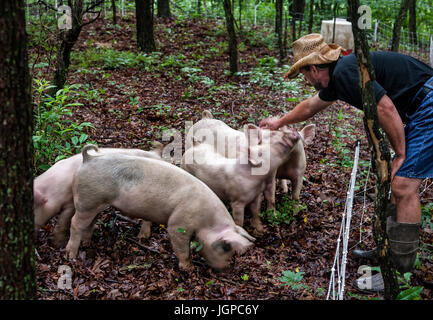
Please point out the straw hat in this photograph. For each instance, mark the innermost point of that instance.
(312, 49)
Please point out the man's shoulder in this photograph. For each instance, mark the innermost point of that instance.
(344, 65)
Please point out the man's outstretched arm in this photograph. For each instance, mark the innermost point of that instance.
(303, 111)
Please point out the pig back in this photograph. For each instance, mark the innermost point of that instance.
(144, 188)
(225, 140)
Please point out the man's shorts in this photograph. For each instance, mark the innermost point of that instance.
(419, 142)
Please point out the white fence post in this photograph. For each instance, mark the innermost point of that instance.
(375, 30)
(255, 13)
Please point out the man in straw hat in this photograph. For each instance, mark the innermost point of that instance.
(404, 95)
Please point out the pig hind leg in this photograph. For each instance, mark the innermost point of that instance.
(81, 226)
(283, 185)
(63, 225)
(296, 191)
(255, 211)
(44, 212)
(270, 192)
(296, 180)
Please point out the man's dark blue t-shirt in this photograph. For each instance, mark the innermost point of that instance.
(397, 75)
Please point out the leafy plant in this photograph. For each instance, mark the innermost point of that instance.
(55, 135)
(293, 279)
(409, 292)
(427, 215)
(284, 211)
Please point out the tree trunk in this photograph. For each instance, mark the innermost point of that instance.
(164, 8)
(334, 14)
(68, 38)
(240, 14)
(17, 263)
(311, 18)
(412, 22)
(113, 8)
(404, 6)
(286, 18)
(380, 153)
(233, 43)
(279, 27)
(297, 8)
(199, 7)
(67, 41)
(144, 17)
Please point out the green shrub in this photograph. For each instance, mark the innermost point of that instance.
(55, 135)
(283, 212)
(293, 279)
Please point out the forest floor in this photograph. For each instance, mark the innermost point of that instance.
(130, 104)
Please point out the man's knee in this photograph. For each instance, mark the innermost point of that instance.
(404, 187)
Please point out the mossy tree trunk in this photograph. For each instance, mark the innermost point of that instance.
(144, 18)
(232, 41)
(379, 151)
(279, 27)
(311, 17)
(17, 269)
(113, 8)
(69, 37)
(412, 22)
(396, 32)
(164, 8)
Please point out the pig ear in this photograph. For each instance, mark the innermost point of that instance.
(253, 134)
(157, 147)
(206, 114)
(284, 128)
(244, 233)
(238, 242)
(308, 133)
(196, 141)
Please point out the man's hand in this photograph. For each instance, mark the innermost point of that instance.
(270, 123)
(396, 165)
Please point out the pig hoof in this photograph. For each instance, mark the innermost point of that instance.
(145, 230)
(186, 266)
(144, 234)
(59, 241)
(258, 229)
(71, 253)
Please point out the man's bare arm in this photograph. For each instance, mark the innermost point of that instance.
(391, 123)
(303, 111)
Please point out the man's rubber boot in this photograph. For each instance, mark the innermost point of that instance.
(391, 211)
(404, 241)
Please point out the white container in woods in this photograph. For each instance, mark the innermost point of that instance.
(343, 32)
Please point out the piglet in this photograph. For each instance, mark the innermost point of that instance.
(52, 192)
(160, 192)
(293, 169)
(243, 179)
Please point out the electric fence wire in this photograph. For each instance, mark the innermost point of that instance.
(339, 265)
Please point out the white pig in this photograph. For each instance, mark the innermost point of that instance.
(160, 192)
(229, 143)
(234, 181)
(52, 192)
(294, 168)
